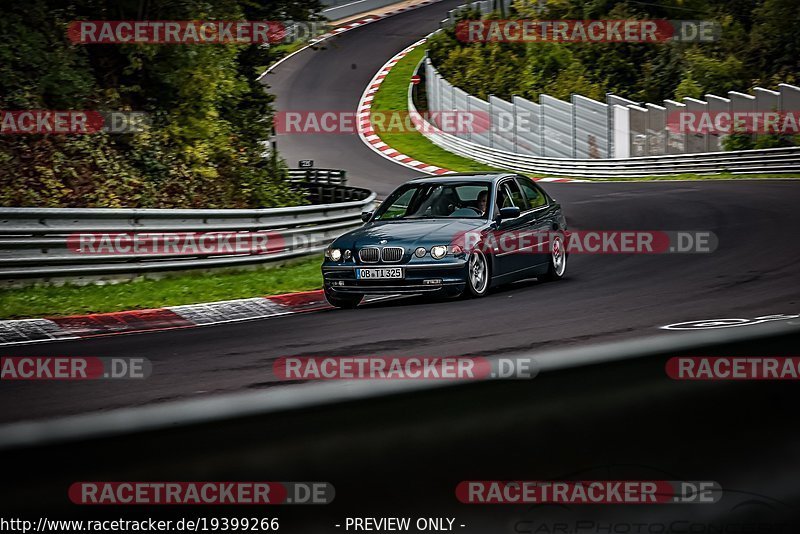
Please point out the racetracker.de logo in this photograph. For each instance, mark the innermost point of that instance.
(586, 31)
(403, 368)
(733, 122)
(42, 121)
(588, 492)
(73, 368)
(200, 493)
(176, 32)
(393, 122)
(181, 243)
(733, 368)
(587, 242)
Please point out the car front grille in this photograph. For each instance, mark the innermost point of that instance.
(386, 255)
(392, 254)
(369, 254)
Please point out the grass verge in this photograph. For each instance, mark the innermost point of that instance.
(51, 301)
(392, 95)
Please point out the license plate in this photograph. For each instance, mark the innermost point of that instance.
(379, 274)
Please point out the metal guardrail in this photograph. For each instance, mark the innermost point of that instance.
(772, 160)
(34, 241)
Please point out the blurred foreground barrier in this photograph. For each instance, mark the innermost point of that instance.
(595, 412)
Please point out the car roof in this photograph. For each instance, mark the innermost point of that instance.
(462, 177)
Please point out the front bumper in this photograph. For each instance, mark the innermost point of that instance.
(443, 277)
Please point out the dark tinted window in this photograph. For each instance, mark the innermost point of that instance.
(511, 196)
(534, 195)
(435, 200)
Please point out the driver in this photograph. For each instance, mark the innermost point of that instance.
(482, 204)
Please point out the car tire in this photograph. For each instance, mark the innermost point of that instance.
(347, 302)
(557, 265)
(478, 275)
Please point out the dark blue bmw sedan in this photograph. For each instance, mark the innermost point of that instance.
(457, 234)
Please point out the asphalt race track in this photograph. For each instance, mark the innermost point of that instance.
(333, 79)
(754, 272)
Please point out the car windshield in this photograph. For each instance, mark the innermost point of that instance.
(427, 200)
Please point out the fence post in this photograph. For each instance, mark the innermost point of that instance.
(676, 139)
(622, 132)
(656, 126)
(696, 142)
(491, 122)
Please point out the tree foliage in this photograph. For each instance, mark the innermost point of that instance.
(209, 115)
(758, 44)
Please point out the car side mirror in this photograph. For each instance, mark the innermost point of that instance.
(511, 212)
(366, 215)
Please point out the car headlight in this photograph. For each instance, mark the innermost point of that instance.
(439, 252)
(334, 254)
(420, 252)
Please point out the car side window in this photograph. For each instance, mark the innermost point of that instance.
(534, 195)
(514, 196)
(399, 208)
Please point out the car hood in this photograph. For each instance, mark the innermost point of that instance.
(409, 234)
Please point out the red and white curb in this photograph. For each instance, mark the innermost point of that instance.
(25, 331)
(347, 27)
(367, 133)
(560, 180)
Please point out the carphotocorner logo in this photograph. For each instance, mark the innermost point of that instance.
(736, 512)
(720, 511)
(40, 121)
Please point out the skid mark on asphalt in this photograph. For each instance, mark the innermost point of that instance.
(558, 342)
